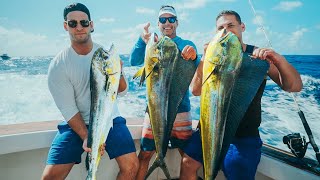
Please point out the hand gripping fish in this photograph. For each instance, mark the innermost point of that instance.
(167, 78)
(104, 82)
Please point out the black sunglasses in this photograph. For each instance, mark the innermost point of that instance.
(74, 23)
(163, 20)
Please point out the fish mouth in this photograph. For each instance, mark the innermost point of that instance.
(223, 34)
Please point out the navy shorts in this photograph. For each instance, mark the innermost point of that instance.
(67, 145)
(241, 160)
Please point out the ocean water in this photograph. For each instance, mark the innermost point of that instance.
(25, 98)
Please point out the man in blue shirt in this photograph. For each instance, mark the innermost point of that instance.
(182, 129)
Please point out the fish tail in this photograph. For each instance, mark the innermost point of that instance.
(90, 177)
(159, 162)
(87, 162)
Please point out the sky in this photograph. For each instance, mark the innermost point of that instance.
(35, 27)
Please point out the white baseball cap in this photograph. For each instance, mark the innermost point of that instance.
(167, 9)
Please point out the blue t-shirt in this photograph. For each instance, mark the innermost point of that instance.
(137, 58)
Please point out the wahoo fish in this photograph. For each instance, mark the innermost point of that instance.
(104, 82)
(167, 78)
(221, 67)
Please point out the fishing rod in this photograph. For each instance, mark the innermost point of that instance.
(296, 144)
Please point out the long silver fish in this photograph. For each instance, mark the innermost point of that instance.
(104, 82)
(167, 78)
(221, 67)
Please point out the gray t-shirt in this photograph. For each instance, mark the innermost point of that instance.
(69, 83)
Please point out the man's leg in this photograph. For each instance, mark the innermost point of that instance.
(65, 151)
(144, 159)
(192, 158)
(128, 165)
(189, 168)
(181, 132)
(120, 145)
(147, 148)
(57, 171)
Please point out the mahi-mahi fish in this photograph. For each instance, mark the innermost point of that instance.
(167, 78)
(104, 82)
(231, 80)
(221, 67)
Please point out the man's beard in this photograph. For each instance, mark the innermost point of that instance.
(81, 40)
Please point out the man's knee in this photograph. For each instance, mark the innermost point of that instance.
(145, 155)
(130, 166)
(56, 172)
(50, 175)
(189, 163)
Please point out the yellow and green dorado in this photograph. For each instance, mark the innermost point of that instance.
(104, 82)
(167, 77)
(221, 67)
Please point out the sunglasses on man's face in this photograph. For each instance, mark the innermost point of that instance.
(163, 20)
(74, 23)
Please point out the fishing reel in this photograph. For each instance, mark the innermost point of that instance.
(296, 144)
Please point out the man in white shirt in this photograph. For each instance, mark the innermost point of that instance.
(69, 84)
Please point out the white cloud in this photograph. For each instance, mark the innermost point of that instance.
(3, 19)
(227, 1)
(287, 5)
(258, 20)
(183, 16)
(138, 27)
(282, 42)
(191, 4)
(296, 36)
(142, 10)
(198, 38)
(123, 38)
(17, 42)
(107, 20)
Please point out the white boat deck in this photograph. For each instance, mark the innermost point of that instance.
(24, 150)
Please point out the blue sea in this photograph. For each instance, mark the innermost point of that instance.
(25, 97)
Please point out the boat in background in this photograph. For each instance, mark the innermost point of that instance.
(5, 57)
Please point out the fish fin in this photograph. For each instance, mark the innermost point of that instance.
(155, 65)
(143, 77)
(159, 162)
(212, 72)
(141, 73)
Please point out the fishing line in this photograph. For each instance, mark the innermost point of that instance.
(301, 114)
